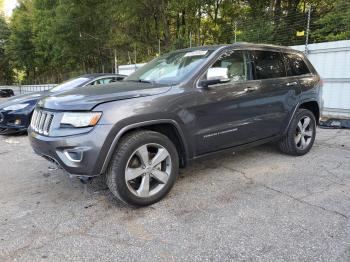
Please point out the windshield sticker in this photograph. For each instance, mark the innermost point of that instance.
(196, 53)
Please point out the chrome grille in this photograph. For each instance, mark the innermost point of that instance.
(41, 121)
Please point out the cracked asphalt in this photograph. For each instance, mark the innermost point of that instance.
(255, 205)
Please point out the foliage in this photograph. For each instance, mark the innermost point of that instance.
(51, 40)
(6, 72)
(334, 25)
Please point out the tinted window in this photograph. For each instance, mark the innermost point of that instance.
(232, 65)
(297, 64)
(103, 81)
(118, 78)
(268, 65)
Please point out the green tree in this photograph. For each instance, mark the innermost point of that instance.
(52, 40)
(20, 47)
(6, 72)
(335, 25)
(1, 7)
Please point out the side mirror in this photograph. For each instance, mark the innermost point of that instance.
(215, 75)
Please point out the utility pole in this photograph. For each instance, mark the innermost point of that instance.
(190, 39)
(116, 70)
(159, 47)
(129, 58)
(235, 31)
(135, 55)
(307, 30)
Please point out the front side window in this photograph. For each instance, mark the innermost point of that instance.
(231, 65)
(268, 64)
(297, 64)
(172, 68)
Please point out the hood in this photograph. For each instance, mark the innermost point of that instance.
(90, 96)
(31, 98)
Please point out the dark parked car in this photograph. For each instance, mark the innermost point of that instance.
(180, 107)
(6, 92)
(16, 113)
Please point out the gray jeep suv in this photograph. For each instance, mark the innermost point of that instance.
(180, 107)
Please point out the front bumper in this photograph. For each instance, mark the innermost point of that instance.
(12, 122)
(79, 155)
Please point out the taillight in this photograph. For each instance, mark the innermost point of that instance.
(321, 92)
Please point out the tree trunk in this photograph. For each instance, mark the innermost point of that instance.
(199, 24)
(165, 24)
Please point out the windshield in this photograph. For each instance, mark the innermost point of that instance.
(171, 68)
(70, 84)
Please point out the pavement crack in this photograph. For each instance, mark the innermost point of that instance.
(331, 146)
(251, 180)
(334, 175)
(303, 201)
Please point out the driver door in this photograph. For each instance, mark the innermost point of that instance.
(231, 113)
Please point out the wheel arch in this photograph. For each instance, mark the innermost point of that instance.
(167, 127)
(312, 106)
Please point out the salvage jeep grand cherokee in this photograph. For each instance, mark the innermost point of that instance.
(180, 107)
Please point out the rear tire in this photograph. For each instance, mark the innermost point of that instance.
(143, 169)
(300, 135)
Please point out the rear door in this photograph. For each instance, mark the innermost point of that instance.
(299, 71)
(280, 92)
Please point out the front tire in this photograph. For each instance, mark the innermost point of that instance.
(300, 135)
(7, 131)
(143, 169)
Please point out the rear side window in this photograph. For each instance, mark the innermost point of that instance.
(297, 65)
(268, 64)
(103, 81)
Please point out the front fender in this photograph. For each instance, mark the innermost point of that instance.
(116, 134)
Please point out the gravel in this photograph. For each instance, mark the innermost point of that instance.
(255, 205)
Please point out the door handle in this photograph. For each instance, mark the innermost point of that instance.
(292, 84)
(251, 89)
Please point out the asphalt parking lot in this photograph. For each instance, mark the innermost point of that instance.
(255, 205)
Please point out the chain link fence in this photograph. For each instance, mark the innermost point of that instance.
(300, 27)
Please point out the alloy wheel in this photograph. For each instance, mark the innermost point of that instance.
(304, 133)
(148, 170)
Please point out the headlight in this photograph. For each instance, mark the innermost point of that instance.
(16, 107)
(81, 119)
